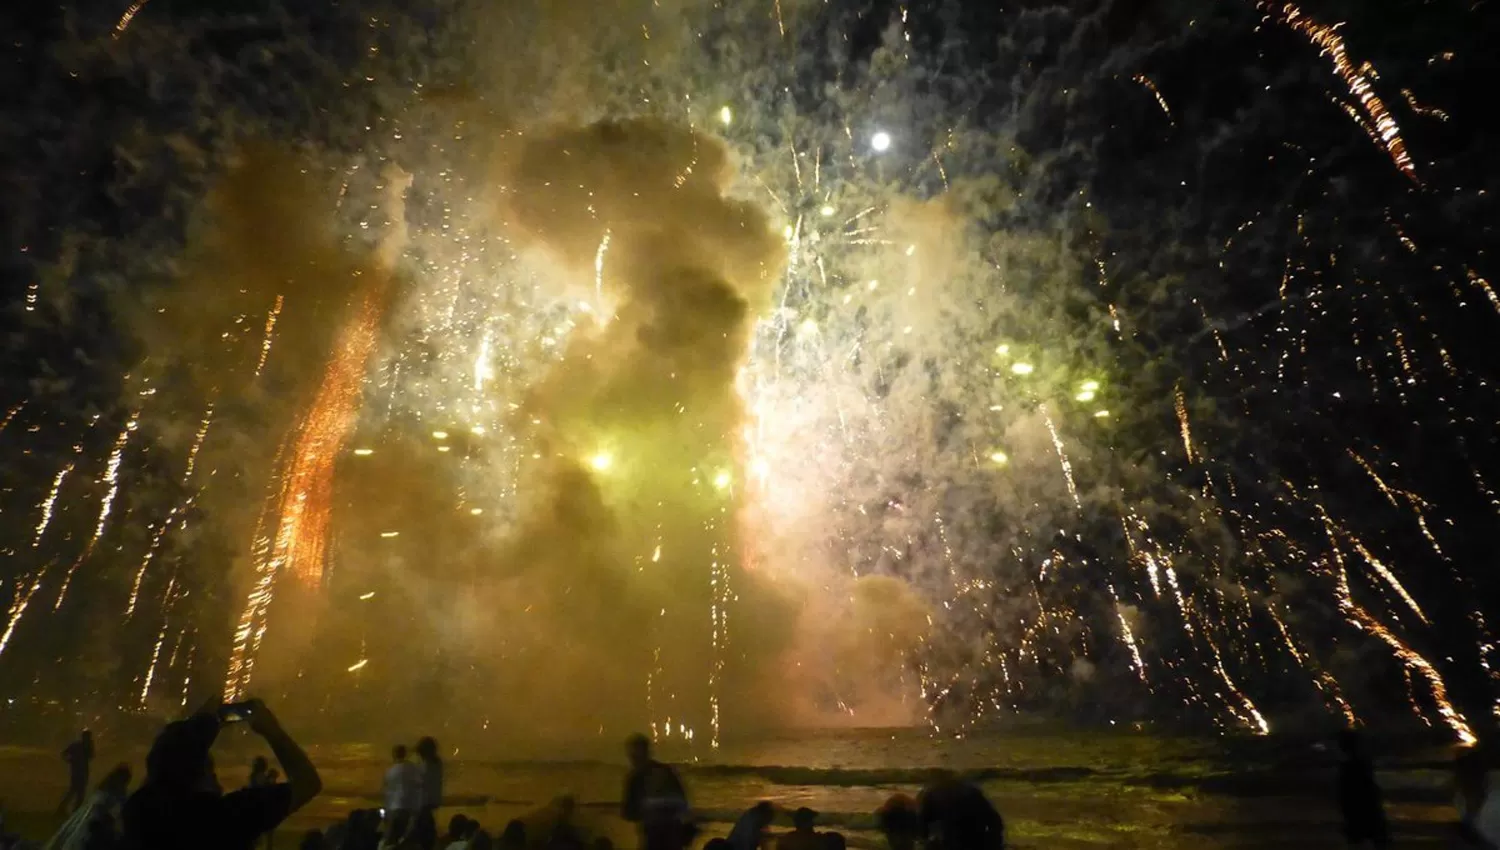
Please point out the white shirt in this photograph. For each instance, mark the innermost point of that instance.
(403, 787)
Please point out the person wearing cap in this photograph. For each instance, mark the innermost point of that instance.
(181, 805)
(802, 836)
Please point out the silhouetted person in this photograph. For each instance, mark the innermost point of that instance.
(603, 843)
(423, 833)
(401, 791)
(718, 844)
(432, 774)
(312, 840)
(458, 833)
(802, 836)
(96, 824)
(897, 818)
(261, 773)
(955, 815)
(565, 832)
(78, 755)
(1359, 796)
(1470, 787)
(481, 841)
(654, 799)
(750, 830)
(181, 805)
(834, 841)
(514, 836)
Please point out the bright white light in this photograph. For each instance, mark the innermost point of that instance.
(807, 328)
(601, 462)
(881, 141)
(722, 480)
(1101, 414)
(826, 211)
(1022, 368)
(1090, 386)
(389, 534)
(999, 458)
(1086, 395)
(726, 116)
(475, 511)
(440, 435)
(363, 452)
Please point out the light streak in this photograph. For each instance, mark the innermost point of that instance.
(1062, 457)
(1183, 426)
(48, 503)
(269, 337)
(1327, 38)
(125, 19)
(1156, 93)
(112, 489)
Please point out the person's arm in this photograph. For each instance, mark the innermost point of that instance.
(301, 775)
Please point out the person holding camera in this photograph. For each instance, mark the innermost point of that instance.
(181, 805)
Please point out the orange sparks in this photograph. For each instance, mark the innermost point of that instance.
(1155, 92)
(265, 343)
(1413, 660)
(125, 19)
(112, 482)
(1386, 132)
(1182, 422)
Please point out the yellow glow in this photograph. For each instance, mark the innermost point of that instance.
(475, 511)
(601, 462)
(440, 435)
(367, 596)
(726, 116)
(761, 469)
(390, 534)
(364, 452)
(478, 431)
(872, 285)
(656, 555)
(1089, 386)
(807, 328)
(1086, 395)
(826, 211)
(358, 664)
(1002, 350)
(1101, 414)
(723, 480)
(999, 458)
(1022, 368)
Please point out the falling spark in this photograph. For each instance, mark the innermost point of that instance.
(1332, 44)
(125, 19)
(1182, 422)
(1062, 457)
(112, 484)
(268, 338)
(599, 270)
(48, 503)
(1156, 93)
(358, 665)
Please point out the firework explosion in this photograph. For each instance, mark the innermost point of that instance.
(1027, 419)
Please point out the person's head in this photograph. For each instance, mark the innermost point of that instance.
(898, 820)
(803, 819)
(260, 765)
(117, 781)
(514, 836)
(638, 750)
(834, 841)
(427, 749)
(718, 844)
(458, 827)
(566, 804)
(312, 840)
(86, 736)
(179, 759)
(398, 752)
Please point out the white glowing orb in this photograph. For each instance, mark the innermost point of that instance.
(1086, 395)
(1101, 414)
(1089, 386)
(363, 452)
(881, 142)
(1022, 368)
(726, 116)
(999, 458)
(601, 462)
(440, 435)
(723, 480)
(826, 211)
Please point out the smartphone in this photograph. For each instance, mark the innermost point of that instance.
(234, 712)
